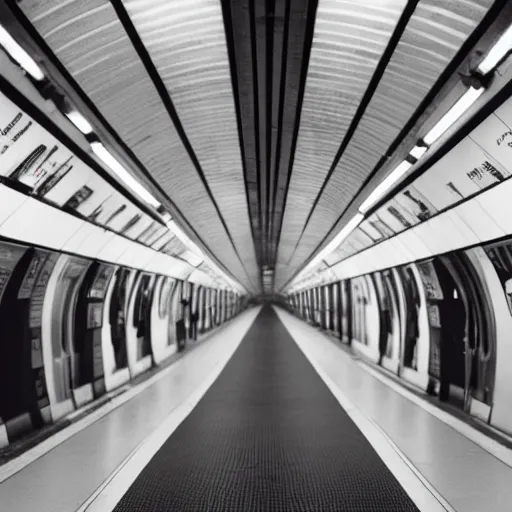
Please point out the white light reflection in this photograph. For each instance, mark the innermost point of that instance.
(385, 185)
(80, 122)
(102, 153)
(418, 151)
(20, 55)
(460, 107)
(497, 52)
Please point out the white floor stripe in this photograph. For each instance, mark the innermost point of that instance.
(14, 466)
(425, 497)
(496, 449)
(112, 490)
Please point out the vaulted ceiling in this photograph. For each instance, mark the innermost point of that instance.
(261, 120)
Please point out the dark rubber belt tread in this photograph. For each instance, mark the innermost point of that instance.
(268, 435)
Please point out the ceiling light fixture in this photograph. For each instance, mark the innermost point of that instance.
(495, 56)
(198, 253)
(184, 239)
(497, 53)
(335, 242)
(460, 107)
(381, 189)
(80, 122)
(418, 151)
(102, 153)
(20, 55)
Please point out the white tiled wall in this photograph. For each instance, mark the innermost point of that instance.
(481, 219)
(34, 222)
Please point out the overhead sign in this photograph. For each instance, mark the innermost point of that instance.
(393, 215)
(370, 231)
(481, 160)
(380, 225)
(414, 205)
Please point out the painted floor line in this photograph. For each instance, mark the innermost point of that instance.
(426, 498)
(106, 497)
(491, 446)
(16, 465)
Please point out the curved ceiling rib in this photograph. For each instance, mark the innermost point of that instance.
(270, 49)
(186, 43)
(349, 39)
(262, 120)
(90, 41)
(434, 34)
(377, 75)
(299, 46)
(246, 139)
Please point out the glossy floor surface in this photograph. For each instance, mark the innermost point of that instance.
(269, 418)
(268, 435)
(465, 475)
(64, 478)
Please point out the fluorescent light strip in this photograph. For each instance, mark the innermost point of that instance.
(20, 55)
(123, 174)
(199, 254)
(184, 238)
(398, 173)
(460, 107)
(335, 242)
(30, 66)
(497, 52)
(345, 231)
(418, 151)
(80, 122)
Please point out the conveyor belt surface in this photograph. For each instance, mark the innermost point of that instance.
(268, 435)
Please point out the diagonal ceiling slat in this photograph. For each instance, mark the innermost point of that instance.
(434, 27)
(279, 58)
(260, 48)
(262, 120)
(238, 25)
(186, 42)
(300, 34)
(88, 38)
(354, 29)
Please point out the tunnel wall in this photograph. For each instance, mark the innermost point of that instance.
(442, 323)
(449, 224)
(74, 329)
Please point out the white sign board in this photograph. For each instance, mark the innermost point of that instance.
(464, 171)
(30, 155)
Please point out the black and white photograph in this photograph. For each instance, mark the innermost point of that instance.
(256, 255)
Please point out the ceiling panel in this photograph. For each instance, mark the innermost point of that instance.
(90, 41)
(435, 33)
(348, 42)
(308, 144)
(186, 42)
